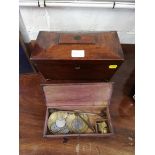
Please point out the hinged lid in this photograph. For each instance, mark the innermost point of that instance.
(81, 94)
(59, 45)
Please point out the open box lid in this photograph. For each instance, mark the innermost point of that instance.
(81, 94)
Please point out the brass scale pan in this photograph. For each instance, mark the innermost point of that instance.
(60, 122)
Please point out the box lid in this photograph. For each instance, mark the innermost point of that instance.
(59, 46)
(78, 94)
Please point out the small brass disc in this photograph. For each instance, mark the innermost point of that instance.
(75, 124)
(57, 122)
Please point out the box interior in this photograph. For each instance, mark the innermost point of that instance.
(104, 117)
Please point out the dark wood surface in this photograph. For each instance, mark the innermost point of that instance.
(52, 55)
(76, 70)
(32, 117)
(58, 46)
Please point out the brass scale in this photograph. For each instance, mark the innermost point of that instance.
(63, 122)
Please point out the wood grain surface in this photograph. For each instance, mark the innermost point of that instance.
(58, 46)
(32, 117)
(52, 55)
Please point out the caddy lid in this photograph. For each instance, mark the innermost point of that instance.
(81, 94)
(60, 45)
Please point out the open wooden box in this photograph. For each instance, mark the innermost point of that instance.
(89, 98)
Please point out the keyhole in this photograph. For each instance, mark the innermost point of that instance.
(77, 67)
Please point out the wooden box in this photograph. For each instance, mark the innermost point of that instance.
(92, 99)
(77, 56)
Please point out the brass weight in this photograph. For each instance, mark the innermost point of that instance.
(102, 127)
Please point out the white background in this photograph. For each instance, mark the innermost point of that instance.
(80, 19)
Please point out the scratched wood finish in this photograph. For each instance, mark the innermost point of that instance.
(52, 55)
(78, 94)
(32, 117)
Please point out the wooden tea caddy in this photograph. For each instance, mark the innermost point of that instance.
(86, 97)
(77, 56)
